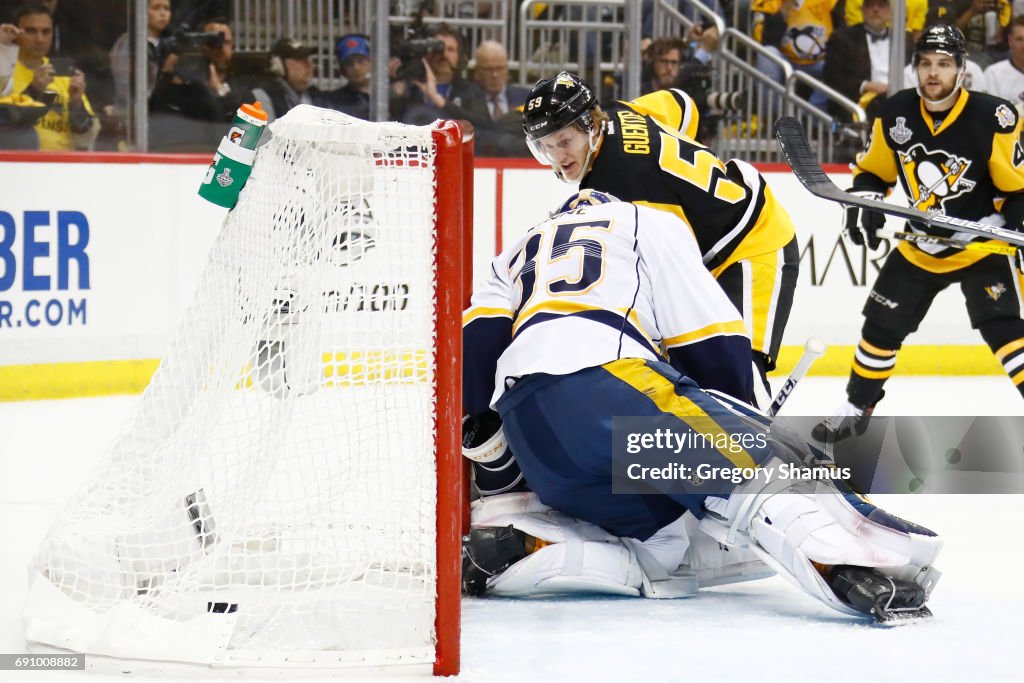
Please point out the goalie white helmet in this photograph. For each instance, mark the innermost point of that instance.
(583, 198)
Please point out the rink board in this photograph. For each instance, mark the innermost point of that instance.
(94, 279)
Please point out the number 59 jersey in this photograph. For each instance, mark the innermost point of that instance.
(594, 285)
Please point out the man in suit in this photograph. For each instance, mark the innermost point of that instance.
(495, 109)
(857, 58)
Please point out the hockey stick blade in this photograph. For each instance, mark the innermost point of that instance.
(801, 158)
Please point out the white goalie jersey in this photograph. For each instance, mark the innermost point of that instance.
(600, 283)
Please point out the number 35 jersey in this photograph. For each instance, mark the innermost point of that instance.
(598, 284)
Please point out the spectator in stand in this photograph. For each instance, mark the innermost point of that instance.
(70, 122)
(83, 33)
(857, 59)
(1006, 78)
(797, 31)
(158, 18)
(494, 107)
(18, 113)
(969, 17)
(353, 98)
(292, 85)
(8, 56)
(917, 10)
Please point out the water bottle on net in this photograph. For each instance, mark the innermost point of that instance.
(233, 161)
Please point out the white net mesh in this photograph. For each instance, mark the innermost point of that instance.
(274, 492)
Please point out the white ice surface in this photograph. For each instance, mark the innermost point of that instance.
(760, 631)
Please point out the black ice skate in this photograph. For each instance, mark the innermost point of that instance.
(848, 420)
(488, 551)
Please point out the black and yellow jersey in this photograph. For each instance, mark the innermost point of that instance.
(966, 163)
(649, 157)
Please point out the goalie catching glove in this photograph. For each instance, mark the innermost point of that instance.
(870, 223)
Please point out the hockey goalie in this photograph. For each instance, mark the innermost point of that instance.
(605, 311)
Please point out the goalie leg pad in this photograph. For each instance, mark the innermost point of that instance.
(718, 564)
(797, 527)
(580, 557)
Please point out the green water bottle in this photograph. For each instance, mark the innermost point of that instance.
(233, 161)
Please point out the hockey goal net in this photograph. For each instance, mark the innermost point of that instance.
(287, 492)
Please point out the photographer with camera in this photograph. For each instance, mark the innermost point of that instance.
(69, 122)
(195, 94)
(670, 62)
(429, 80)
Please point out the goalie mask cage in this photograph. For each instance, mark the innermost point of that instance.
(287, 492)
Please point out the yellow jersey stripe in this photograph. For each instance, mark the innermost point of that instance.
(656, 387)
(483, 312)
(731, 327)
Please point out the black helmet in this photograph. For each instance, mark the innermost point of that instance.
(557, 102)
(942, 38)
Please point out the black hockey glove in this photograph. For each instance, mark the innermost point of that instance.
(870, 221)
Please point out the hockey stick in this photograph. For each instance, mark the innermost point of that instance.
(793, 142)
(987, 247)
(813, 348)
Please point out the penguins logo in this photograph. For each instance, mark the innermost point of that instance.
(807, 42)
(995, 291)
(934, 177)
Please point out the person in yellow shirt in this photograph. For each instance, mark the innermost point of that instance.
(916, 12)
(797, 31)
(70, 123)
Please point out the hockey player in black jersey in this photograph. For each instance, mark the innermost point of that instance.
(959, 153)
(644, 152)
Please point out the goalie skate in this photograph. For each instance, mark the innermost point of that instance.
(803, 530)
(887, 600)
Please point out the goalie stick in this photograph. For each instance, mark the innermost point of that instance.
(795, 148)
(813, 348)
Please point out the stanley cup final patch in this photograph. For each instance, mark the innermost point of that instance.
(1005, 117)
(899, 133)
